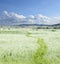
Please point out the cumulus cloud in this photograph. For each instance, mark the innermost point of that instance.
(6, 13)
(42, 19)
(12, 14)
(11, 18)
(31, 16)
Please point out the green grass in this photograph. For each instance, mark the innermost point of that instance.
(29, 46)
(39, 56)
(10, 32)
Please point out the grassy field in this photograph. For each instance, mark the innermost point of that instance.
(28, 46)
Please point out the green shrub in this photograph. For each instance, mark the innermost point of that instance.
(28, 33)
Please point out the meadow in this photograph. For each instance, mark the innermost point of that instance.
(29, 46)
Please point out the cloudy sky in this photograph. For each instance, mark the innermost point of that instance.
(29, 11)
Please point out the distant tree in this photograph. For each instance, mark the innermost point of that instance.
(55, 27)
(38, 27)
(8, 28)
(47, 27)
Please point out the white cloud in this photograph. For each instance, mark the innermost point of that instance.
(12, 14)
(14, 18)
(31, 16)
(41, 19)
(6, 13)
(42, 16)
(17, 16)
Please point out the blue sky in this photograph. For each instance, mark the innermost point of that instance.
(43, 11)
(26, 7)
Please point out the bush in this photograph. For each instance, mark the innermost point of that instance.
(28, 33)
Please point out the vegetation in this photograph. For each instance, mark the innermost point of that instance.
(39, 56)
(23, 46)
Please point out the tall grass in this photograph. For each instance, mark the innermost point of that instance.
(39, 56)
